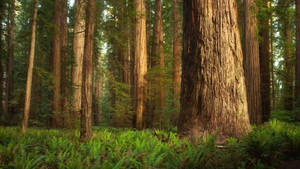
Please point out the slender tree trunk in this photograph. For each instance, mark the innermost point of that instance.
(140, 66)
(65, 66)
(298, 53)
(78, 50)
(176, 53)
(30, 69)
(1, 56)
(213, 93)
(10, 59)
(251, 63)
(159, 59)
(57, 116)
(264, 56)
(87, 74)
(97, 93)
(272, 67)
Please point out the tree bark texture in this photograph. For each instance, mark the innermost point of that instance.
(78, 51)
(140, 63)
(251, 63)
(57, 120)
(87, 73)
(30, 68)
(213, 91)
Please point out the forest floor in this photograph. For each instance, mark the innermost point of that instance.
(274, 145)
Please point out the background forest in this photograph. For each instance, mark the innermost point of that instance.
(149, 83)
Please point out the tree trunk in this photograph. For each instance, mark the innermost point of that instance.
(213, 93)
(97, 92)
(87, 74)
(65, 65)
(251, 63)
(140, 66)
(298, 53)
(57, 116)
(159, 59)
(10, 60)
(176, 53)
(264, 56)
(1, 56)
(30, 69)
(78, 50)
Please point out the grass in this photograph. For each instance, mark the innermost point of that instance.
(113, 148)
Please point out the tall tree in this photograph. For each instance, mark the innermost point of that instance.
(57, 117)
(264, 59)
(213, 93)
(30, 68)
(140, 63)
(10, 57)
(176, 51)
(87, 73)
(78, 51)
(1, 55)
(298, 52)
(251, 63)
(159, 58)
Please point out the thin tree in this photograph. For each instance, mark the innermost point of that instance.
(159, 59)
(213, 93)
(30, 68)
(251, 63)
(87, 73)
(10, 58)
(140, 62)
(57, 117)
(1, 56)
(78, 51)
(298, 53)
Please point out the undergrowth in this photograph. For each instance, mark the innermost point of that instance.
(112, 148)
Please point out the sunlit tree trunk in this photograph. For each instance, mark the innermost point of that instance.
(57, 116)
(176, 52)
(140, 64)
(30, 68)
(159, 59)
(65, 66)
(298, 53)
(78, 51)
(10, 59)
(87, 73)
(251, 63)
(213, 93)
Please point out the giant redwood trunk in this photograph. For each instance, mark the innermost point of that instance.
(30, 68)
(159, 59)
(87, 73)
(213, 93)
(264, 57)
(176, 52)
(57, 117)
(251, 63)
(10, 59)
(298, 53)
(78, 51)
(140, 62)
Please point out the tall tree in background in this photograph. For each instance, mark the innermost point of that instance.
(87, 73)
(64, 66)
(10, 57)
(78, 51)
(140, 63)
(57, 117)
(251, 63)
(298, 53)
(2, 5)
(213, 94)
(159, 59)
(176, 51)
(264, 59)
(30, 68)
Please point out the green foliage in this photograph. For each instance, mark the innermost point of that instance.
(264, 147)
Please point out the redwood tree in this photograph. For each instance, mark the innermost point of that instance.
(213, 94)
